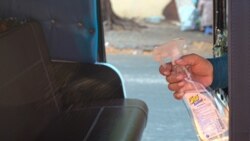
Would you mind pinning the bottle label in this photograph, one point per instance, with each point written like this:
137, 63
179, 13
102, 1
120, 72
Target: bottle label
207, 120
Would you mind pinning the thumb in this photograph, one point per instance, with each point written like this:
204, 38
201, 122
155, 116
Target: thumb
190, 60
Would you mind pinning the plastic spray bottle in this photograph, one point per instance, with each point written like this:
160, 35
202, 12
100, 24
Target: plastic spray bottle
209, 117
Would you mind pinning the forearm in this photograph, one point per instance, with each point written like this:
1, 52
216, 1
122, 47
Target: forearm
220, 72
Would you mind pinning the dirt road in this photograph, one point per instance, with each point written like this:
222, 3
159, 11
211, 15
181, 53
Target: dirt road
137, 41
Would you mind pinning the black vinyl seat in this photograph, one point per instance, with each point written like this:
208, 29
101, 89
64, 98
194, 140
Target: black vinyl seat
48, 100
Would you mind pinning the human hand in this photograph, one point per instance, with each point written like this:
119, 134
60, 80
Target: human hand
201, 71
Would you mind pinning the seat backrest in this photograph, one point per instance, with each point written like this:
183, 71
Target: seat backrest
27, 103
72, 28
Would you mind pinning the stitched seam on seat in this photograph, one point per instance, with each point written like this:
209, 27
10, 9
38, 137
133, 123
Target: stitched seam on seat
94, 123
141, 109
21, 73
44, 66
94, 107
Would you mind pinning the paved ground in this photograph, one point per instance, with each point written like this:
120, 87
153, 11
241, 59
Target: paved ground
130, 52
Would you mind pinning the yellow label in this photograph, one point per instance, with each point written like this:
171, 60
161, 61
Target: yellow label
194, 99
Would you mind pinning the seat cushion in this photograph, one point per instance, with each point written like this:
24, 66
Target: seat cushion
114, 120
27, 103
31, 103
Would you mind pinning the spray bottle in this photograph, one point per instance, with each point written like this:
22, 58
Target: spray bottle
209, 119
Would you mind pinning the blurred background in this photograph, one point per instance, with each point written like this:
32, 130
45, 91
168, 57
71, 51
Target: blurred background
132, 29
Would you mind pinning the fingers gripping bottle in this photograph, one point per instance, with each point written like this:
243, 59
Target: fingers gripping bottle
210, 122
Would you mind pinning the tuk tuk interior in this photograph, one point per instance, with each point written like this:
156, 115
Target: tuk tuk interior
55, 83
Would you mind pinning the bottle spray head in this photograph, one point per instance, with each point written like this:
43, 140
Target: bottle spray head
171, 50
